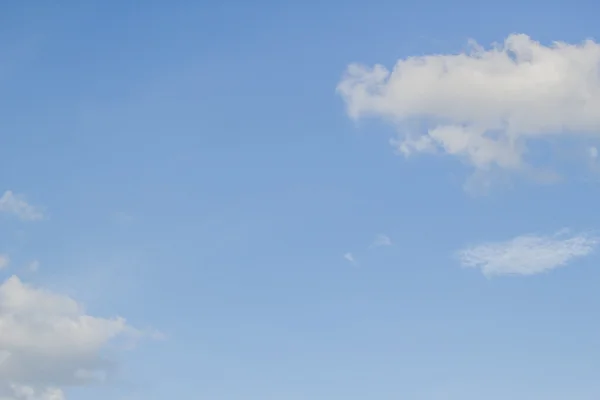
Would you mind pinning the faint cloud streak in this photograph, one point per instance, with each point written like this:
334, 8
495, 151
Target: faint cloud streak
16, 205
350, 258
4, 261
527, 254
381, 240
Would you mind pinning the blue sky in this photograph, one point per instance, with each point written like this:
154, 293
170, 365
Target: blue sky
274, 224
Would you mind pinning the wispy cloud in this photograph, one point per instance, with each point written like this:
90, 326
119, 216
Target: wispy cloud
350, 258
122, 218
33, 266
4, 261
528, 254
15, 204
381, 240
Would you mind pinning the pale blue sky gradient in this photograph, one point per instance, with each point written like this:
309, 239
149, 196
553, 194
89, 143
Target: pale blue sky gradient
200, 177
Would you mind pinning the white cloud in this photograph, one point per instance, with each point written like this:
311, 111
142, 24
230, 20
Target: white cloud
33, 266
381, 240
4, 261
527, 254
48, 342
15, 204
484, 106
21, 392
350, 258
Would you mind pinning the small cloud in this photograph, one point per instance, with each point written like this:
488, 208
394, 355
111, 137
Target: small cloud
86, 375
4, 261
122, 218
33, 266
592, 158
11, 203
350, 258
381, 240
528, 254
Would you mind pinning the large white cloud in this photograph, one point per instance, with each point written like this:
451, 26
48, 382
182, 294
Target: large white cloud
48, 342
527, 254
484, 106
